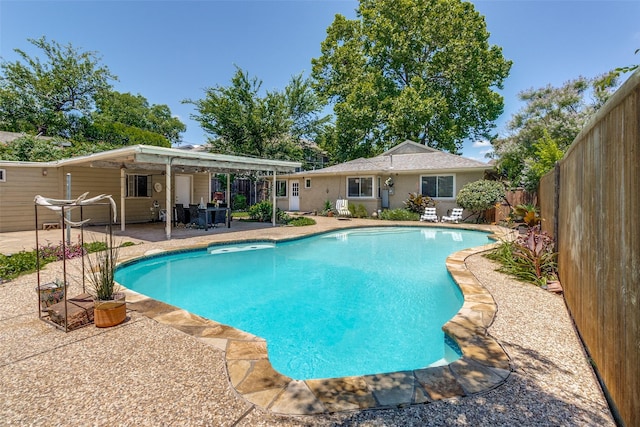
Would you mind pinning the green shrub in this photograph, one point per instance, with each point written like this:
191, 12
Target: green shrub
359, 211
529, 257
479, 196
302, 221
262, 211
399, 215
239, 202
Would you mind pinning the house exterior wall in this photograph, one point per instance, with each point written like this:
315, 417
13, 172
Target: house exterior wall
332, 188
17, 193
23, 183
201, 188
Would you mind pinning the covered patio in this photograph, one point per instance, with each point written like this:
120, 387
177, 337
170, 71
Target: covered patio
169, 161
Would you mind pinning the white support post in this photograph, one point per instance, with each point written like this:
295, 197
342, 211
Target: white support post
168, 200
273, 197
123, 194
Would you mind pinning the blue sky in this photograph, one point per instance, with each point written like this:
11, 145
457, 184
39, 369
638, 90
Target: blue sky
171, 50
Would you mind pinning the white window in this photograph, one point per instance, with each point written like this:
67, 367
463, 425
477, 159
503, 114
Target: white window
3, 175
138, 185
307, 183
438, 186
281, 188
361, 186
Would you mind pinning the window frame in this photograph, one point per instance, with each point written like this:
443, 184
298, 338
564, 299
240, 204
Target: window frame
284, 183
359, 195
437, 176
3, 175
149, 187
307, 183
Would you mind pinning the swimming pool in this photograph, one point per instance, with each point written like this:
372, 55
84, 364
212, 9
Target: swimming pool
353, 302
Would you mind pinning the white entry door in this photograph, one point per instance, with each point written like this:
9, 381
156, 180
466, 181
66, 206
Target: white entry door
183, 190
294, 196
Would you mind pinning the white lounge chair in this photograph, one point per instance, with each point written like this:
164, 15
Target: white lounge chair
429, 215
456, 216
342, 206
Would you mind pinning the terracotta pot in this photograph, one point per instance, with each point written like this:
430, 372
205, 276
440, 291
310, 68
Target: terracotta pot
110, 313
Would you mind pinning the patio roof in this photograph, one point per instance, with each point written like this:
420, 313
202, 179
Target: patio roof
148, 157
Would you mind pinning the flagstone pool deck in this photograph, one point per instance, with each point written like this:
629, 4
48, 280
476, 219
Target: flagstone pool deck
522, 361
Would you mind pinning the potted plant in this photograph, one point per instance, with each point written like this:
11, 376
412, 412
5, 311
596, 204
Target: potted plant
110, 307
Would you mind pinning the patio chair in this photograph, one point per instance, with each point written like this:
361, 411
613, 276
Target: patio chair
342, 206
194, 217
456, 216
429, 215
180, 217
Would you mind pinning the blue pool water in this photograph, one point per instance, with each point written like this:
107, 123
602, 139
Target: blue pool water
353, 302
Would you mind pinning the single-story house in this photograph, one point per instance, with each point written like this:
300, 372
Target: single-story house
382, 182
141, 179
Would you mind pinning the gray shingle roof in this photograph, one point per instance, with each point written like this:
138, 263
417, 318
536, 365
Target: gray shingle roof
422, 159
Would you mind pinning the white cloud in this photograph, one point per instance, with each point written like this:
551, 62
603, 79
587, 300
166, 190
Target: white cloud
479, 144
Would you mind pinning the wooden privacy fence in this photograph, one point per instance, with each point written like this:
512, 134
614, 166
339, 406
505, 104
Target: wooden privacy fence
591, 203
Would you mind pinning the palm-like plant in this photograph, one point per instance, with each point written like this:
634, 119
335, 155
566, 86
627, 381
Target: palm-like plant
102, 267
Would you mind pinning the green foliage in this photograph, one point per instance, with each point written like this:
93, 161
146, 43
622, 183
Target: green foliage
136, 112
358, 211
478, 196
43, 97
22, 262
240, 121
422, 70
302, 221
31, 149
399, 215
262, 211
101, 270
66, 93
239, 202
95, 246
546, 154
527, 213
610, 78
530, 257
120, 134
12, 266
544, 129
417, 203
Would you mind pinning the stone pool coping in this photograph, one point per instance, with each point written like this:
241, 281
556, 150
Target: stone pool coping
483, 366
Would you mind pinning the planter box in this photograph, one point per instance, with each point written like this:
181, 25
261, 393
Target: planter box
50, 294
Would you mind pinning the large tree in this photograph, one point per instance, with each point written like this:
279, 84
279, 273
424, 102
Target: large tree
43, 97
125, 119
545, 127
410, 69
243, 120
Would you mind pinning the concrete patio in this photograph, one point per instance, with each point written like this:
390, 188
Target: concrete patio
148, 372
